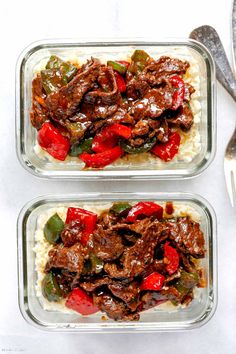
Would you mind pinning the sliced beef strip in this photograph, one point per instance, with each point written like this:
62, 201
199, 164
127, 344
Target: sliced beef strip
187, 236
104, 101
39, 113
107, 245
138, 227
95, 283
136, 230
109, 93
114, 308
160, 70
137, 87
146, 129
153, 103
96, 126
153, 298
154, 74
156, 266
70, 258
128, 293
72, 233
129, 236
160, 129
107, 82
107, 220
141, 128
98, 111
121, 116
139, 256
183, 118
65, 280
64, 103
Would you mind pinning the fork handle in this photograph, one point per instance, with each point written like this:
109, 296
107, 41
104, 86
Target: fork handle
233, 23
208, 36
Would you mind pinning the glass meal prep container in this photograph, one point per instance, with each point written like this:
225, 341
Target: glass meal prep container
35, 57
197, 313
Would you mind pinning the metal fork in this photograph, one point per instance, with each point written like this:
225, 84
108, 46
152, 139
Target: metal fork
210, 38
230, 152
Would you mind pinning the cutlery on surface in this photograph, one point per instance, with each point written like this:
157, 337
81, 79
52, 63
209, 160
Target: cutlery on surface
208, 36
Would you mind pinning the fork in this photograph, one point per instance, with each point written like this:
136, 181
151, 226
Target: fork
208, 36
230, 152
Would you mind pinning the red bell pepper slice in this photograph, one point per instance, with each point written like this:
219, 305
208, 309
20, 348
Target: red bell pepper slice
51, 140
86, 218
178, 96
107, 138
101, 159
144, 208
166, 151
120, 81
121, 130
171, 257
81, 302
154, 281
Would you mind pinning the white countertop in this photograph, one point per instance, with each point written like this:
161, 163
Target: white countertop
23, 22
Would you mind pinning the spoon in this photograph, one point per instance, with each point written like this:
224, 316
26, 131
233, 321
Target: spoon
208, 36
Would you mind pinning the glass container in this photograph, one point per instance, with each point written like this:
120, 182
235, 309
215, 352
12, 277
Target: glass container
199, 311
35, 57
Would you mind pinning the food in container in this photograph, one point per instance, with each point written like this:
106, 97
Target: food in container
104, 112
159, 124
121, 261
167, 283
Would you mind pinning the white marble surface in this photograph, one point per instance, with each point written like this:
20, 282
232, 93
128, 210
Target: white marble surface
23, 22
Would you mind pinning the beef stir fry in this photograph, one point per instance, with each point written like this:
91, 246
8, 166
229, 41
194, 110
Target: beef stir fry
99, 112
124, 261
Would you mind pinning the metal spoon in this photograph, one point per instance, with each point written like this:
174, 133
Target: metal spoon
208, 36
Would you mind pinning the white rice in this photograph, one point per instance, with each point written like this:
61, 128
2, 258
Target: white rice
42, 247
190, 145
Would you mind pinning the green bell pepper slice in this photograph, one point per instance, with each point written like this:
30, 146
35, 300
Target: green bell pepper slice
185, 283
120, 68
188, 280
139, 60
77, 148
51, 80
57, 74
119, 207
53, 228
50, 288
67, 70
